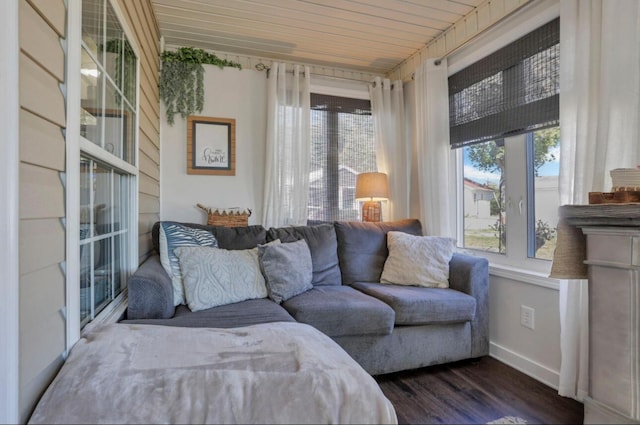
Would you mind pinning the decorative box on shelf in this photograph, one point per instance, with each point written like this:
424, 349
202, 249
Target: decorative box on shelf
616, 197
625, 188
227, 217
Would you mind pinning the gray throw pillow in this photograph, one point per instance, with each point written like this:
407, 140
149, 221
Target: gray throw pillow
323, 246
287, 269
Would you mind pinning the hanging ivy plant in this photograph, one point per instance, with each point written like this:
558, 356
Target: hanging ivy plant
181, 79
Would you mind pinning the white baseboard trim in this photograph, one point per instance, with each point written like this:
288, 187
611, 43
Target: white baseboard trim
525, 365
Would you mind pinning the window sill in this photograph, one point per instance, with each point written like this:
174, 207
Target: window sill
111, 313
524, 276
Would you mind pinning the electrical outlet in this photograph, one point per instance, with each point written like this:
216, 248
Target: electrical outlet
527, 317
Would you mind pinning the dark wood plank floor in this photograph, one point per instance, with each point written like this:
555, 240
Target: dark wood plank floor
475, 392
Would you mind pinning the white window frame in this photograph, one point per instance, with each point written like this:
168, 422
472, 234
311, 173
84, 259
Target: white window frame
77, 146
9, 214
516, 260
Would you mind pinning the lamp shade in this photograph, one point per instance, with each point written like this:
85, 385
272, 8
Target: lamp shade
372, 186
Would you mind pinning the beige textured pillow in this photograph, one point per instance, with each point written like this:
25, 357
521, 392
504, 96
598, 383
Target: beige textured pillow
417, 260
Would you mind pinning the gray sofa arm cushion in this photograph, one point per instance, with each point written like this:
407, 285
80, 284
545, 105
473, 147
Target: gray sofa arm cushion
471, 275
150, 292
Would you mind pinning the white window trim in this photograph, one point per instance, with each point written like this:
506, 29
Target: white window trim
9, 214
72, 269
339, 87
524, 276
76, 145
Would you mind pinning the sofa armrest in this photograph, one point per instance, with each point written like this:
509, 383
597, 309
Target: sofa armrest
150, 292
471, 275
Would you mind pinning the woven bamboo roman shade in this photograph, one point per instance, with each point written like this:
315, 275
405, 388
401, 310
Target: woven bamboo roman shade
514, 90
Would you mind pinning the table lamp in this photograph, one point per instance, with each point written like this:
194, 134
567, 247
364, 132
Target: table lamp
372, 188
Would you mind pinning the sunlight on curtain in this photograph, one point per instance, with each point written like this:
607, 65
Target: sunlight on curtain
599, 129
431, 134
286, 187
392, 149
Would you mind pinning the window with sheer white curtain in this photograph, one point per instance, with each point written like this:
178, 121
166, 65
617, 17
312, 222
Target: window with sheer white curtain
342, 146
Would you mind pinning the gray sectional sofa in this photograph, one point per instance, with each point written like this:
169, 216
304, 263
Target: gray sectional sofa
385, 328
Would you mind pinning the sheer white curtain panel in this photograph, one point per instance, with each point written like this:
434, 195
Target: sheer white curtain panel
286, 190
599, 130
392, 147
431, 135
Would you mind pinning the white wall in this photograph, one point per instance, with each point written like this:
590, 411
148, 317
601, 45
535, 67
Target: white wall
229, 93
535, 352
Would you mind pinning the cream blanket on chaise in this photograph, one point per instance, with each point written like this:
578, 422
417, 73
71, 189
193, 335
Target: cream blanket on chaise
268, 373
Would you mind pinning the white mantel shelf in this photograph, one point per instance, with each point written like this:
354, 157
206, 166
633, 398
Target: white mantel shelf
625, 215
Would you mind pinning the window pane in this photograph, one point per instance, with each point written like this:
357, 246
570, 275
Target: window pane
342, 147
113, 47
103, 276
91, 101
102, 199
87, 217
92, 26
128, 134
119, 201
129, 72
546, 157
85, 281
112, 121
484, 189
119, 259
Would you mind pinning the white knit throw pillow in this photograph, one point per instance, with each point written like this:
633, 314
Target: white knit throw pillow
418, 260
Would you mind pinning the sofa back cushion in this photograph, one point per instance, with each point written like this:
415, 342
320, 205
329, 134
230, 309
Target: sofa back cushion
323, 246
231, 238
362, 247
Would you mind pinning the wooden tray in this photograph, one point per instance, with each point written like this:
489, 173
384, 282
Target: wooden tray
618, 197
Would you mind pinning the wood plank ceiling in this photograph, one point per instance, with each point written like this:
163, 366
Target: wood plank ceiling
363, 35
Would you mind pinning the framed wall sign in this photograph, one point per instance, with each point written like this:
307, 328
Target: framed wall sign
211, 146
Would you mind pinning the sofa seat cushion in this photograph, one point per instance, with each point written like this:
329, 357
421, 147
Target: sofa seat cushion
422, 306
341, 311
244, 313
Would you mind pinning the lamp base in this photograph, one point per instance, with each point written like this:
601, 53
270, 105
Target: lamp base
371, 211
